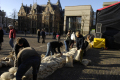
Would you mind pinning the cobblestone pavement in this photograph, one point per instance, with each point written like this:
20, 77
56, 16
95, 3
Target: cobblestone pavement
105, 64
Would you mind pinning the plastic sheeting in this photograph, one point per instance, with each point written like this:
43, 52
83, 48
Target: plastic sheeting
110, 18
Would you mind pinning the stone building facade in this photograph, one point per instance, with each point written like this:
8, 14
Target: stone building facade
48, 17
108, 3
78, 18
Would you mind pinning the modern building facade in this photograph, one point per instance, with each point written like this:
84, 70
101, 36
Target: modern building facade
49, 17
108, 3
78, 18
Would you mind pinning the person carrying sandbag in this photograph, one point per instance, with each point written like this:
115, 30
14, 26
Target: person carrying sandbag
27, 58
80, 44
51, 46
20, 43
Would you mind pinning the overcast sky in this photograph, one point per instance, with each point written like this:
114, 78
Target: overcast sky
9, 5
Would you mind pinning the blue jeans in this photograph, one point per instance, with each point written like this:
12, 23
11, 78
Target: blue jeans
49, 48
33, 62
11, 42
38, 38
66, 45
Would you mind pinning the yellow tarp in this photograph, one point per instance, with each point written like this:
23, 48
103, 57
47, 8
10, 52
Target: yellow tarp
99, 43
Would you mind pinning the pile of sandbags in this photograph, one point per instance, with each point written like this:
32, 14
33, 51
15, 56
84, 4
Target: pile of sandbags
7, 61
47, 67
9, 75
50, 64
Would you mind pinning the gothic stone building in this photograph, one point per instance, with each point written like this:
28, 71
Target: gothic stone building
49, 17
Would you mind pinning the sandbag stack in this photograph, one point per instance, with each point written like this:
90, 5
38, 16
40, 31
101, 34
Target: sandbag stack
7, 61
47, 67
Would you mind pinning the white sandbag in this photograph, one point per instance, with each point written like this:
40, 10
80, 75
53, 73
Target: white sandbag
13, 70
73, 49
15, 74
48, 69
69, 61
77, 55
4, 63
27, 78
7, 76
42, 68
54, 67
73, 36
10, 63
51, 63
5, 59
48, 58
85, 62
57, 55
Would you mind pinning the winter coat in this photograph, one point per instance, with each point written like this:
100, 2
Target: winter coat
1, 36
80, 42
26, 53
43, 34
12, 33
38, 33
17, 47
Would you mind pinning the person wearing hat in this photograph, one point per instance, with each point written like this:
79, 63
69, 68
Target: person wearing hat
1, 36
12, 35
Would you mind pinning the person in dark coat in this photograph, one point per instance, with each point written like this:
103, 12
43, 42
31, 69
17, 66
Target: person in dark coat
51, 46
38, 34
80, 44
20, 42
1, 37
26, 59
54, 35
43, 36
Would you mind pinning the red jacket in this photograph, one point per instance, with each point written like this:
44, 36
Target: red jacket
12, 33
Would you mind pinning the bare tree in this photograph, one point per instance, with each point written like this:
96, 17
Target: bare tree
14, 16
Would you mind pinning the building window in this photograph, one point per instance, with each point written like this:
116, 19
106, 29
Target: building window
48, 9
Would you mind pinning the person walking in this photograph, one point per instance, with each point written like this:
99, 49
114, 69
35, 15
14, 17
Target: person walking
1, 36
51, 46
43, 36
38, 34
12, 35
26, 59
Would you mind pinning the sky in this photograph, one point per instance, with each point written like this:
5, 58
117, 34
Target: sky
9, 5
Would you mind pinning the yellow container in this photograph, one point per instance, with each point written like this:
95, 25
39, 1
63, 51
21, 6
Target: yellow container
99, 43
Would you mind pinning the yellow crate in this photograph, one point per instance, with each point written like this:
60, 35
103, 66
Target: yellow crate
99, 43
